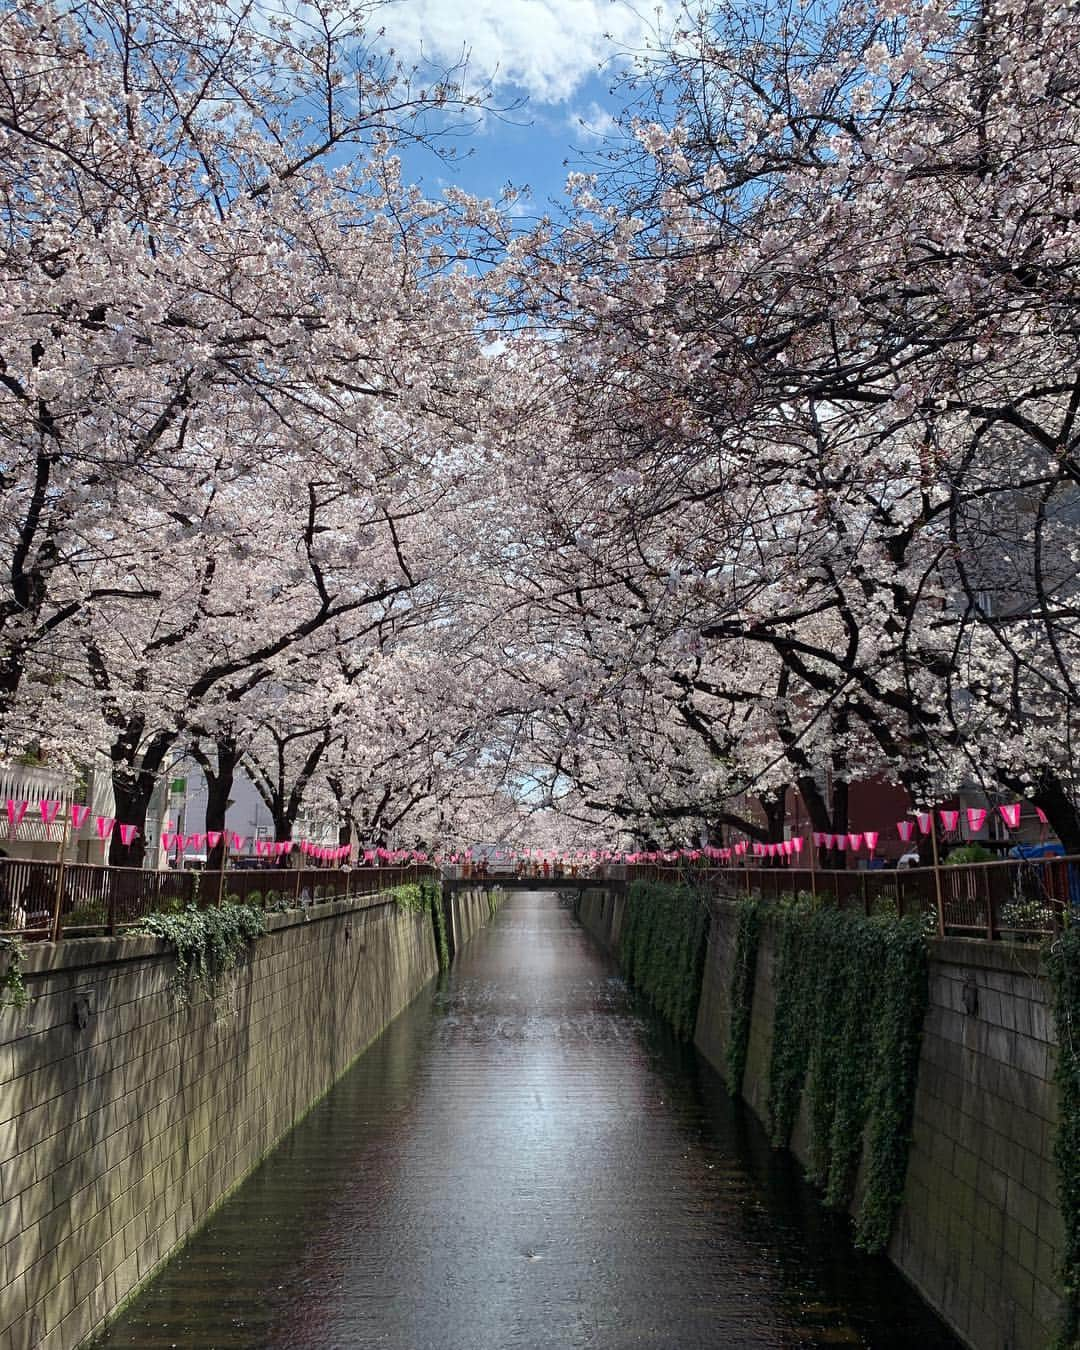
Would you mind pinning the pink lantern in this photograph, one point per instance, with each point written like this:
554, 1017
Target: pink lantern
854, 842
905, 829
950, 821
1011, 815
128, 833
104, 826
976, 818
797, 843
1042, 816
871, 837
925, 821
49, 811
79, 815
15, 813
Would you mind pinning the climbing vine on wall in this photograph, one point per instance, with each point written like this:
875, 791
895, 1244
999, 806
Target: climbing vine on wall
12, 989
425, 897
663, 948
207, 943
432, 892
850, 1001
1063, 967
744, 969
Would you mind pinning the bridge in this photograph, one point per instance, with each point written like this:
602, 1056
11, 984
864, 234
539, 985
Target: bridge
561, 881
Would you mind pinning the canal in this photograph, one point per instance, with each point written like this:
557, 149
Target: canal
526, 1159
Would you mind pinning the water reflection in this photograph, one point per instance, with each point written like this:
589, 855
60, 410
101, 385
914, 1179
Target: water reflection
526, 1159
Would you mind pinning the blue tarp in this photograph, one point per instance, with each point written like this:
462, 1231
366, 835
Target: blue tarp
1036, 851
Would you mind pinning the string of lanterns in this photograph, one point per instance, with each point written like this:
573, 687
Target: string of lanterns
851, 841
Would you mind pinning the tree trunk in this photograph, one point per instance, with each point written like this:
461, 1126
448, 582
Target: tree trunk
774, 804
133, 779
219, 785
132, 803
1060, 809
838, 857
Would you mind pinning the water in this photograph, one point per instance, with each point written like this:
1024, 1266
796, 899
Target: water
525, 1159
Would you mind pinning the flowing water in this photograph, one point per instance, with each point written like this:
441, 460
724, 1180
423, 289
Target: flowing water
526, 1159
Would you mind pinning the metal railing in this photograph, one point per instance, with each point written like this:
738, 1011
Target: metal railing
1016, 898
41, 900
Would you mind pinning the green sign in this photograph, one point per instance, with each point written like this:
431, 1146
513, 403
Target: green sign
178, 786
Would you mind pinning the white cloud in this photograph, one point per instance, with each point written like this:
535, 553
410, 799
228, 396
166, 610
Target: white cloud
593, 125
544, 48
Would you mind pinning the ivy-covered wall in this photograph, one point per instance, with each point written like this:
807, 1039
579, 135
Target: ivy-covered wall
977, 1223
662, 948
977, 1227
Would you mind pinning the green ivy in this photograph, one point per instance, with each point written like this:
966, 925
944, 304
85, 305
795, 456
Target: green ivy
12, 989
662, 948
433, 894
747, 932
851, 995
409, 896
1063, 968
425, 897
207, 943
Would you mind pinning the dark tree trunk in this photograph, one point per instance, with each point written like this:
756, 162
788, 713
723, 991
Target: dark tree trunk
774, 804
134, 776
837, 857
219, 784
132, 803
1060, 808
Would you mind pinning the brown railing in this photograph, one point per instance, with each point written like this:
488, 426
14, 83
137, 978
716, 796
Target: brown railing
44, 900
1015, 898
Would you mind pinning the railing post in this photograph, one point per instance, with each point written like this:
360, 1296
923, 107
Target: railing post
110, 909
937, 876
58, 899
221, 874
989, 902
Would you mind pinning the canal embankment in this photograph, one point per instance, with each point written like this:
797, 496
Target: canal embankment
527, 1157
979, 1230
128, 1113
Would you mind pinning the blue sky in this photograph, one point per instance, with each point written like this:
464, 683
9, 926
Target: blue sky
558, 56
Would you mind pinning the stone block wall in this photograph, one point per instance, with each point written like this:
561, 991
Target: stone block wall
602, 913
120, 1135
980, 1233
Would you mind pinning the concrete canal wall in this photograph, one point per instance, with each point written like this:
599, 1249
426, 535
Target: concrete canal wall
980, 1232
125, 1119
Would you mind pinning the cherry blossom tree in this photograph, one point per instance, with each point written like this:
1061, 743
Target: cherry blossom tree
818, 341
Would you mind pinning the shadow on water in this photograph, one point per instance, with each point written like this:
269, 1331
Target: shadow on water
839, 1295
525, 1158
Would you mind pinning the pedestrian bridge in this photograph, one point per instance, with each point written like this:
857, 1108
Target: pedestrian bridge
561, 881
